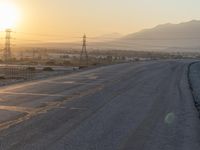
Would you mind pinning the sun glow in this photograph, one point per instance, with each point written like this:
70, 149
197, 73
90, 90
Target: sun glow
9, 15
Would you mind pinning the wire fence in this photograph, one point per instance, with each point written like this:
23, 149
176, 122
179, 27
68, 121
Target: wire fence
17, 72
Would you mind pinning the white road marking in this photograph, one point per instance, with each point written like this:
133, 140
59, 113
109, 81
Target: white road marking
32, 94
17, 109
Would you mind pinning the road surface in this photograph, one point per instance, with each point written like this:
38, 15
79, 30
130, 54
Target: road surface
142, 106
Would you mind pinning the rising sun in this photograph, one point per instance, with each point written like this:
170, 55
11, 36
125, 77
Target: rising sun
9, 15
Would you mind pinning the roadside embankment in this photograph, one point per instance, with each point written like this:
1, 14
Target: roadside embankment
194, 81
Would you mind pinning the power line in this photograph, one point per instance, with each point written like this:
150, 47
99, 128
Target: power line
44, 35
65, 36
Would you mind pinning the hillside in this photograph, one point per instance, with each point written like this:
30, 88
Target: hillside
167, 37
174, 37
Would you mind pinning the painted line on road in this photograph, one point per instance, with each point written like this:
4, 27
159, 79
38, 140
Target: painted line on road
74, 108
2, 100
33, 94
98, 82
66, 82
17, 109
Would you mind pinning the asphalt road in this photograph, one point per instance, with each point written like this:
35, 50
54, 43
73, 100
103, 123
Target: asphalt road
143, 106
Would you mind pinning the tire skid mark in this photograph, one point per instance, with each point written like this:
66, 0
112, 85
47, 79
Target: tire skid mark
49, 106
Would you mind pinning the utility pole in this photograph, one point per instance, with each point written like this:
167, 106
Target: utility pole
21, 55
7, 50
33, 54
84, 54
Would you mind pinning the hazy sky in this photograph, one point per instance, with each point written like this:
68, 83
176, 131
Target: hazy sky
99, 17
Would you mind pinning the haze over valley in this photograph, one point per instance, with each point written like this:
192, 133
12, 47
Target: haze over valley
182, 37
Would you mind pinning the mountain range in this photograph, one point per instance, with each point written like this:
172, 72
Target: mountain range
166, 37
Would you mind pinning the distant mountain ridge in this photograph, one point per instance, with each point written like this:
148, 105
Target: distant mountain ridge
166, 37
170, 31
171, 37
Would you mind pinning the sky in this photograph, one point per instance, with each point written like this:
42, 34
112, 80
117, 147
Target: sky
69, 19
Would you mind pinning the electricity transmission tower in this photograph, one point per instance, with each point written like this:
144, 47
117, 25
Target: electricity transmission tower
7, 49
84, 54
